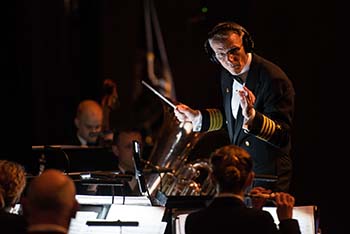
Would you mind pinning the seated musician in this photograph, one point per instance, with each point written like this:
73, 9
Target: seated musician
123, 150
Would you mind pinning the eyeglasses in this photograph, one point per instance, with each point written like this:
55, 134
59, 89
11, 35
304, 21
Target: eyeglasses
232, 51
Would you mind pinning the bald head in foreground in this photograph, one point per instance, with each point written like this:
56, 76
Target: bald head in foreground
50, 202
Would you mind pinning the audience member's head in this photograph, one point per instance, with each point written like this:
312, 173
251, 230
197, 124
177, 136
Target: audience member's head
89, 120
12, 183
50, 199
232, 169
123, 147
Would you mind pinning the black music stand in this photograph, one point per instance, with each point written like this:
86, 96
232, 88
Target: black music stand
179, 204
112, 223
103, 178
139, 171
70, 158
86, 165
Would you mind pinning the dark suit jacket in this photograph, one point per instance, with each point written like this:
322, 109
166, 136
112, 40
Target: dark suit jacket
269, 140
74, 140
230, 215
12, 223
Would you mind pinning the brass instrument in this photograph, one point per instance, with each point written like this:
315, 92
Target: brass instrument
171, 150
192, 179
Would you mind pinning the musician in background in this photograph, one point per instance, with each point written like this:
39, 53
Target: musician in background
232, 171
88, 121
89, 133
110, 104
122, 148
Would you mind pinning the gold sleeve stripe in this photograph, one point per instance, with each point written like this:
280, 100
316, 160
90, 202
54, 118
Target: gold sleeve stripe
268, 128
216, 119
272, 130
212, 119
262, 127
220, 121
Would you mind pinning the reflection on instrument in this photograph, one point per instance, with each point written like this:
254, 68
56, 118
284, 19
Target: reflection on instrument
207, 187
192, 179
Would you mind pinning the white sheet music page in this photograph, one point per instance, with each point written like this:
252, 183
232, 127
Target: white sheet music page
78, 224
148, 217
180, 223
129, 208
304, 215
100, 200
144, 229
149, 220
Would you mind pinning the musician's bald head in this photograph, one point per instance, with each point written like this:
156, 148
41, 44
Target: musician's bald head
89, 120
51, 199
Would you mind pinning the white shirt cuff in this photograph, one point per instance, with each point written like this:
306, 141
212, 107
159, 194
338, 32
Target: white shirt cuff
197, 123
247, 122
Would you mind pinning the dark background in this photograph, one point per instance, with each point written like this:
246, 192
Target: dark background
67, 48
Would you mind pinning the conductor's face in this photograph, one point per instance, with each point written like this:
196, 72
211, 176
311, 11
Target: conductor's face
230, 53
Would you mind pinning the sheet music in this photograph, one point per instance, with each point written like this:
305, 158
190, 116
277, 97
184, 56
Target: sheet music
180, 224
149, 218
140, 213
101, 200
144, 229
78, 224
304, 215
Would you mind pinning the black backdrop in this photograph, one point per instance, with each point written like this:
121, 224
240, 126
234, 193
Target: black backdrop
67, 50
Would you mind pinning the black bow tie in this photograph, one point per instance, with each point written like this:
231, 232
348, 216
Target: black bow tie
238, 78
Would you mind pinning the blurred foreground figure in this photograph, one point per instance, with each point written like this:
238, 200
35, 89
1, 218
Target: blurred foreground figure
12, 184
50, 203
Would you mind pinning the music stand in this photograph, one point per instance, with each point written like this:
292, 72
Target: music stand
86, 165
103, 178
139, 171
70, 158
176, 205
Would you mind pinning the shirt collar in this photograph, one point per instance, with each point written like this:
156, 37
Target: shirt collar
230, 195
82, 140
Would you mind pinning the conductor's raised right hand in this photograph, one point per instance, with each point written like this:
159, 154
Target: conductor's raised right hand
185, 114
